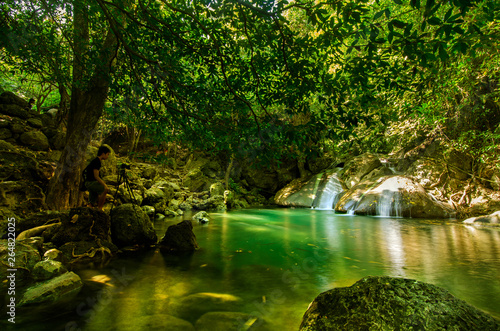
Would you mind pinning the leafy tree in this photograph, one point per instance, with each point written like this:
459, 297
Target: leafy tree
257, 79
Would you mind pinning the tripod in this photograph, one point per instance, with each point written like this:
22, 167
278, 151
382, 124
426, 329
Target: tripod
123, 178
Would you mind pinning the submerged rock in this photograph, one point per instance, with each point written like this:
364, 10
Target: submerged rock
155, 322
387, 303
65, 286
201, 217
229, 321
194, 306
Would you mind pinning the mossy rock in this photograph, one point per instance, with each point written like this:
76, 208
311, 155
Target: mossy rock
130, 225
388, 303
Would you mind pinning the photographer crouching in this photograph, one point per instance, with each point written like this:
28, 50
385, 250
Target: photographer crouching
95, 185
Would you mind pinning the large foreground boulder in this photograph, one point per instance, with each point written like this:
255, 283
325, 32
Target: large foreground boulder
130, 225
387, 303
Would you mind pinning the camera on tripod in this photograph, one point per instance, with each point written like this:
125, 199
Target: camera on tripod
124, 166
123, 178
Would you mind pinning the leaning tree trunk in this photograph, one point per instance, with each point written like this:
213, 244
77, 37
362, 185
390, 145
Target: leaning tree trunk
86, 108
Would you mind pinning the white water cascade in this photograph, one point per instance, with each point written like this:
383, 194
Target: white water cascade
390, 198
389, 204
329, 191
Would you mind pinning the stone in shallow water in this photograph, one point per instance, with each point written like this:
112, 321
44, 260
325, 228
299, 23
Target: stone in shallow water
62, 287
193, 306
387, 303
229, 321
48, 269
157, 322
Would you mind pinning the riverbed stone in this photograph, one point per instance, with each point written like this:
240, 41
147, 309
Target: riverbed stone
158, 322
388, 303
492, 219
47, 269
179, 238
153, 196
83, 224
229, 321
65, 286
214, 203
193, 306
201, 217
53, 254
130, 225
88, 252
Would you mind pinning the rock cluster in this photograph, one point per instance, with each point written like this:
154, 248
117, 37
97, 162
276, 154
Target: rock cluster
20, 125
371, 184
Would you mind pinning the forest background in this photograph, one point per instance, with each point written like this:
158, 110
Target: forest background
260, 80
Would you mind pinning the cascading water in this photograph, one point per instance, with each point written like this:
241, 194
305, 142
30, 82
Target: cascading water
328, 192
389, 204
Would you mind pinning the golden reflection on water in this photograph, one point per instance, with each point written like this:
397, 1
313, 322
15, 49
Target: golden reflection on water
277, 261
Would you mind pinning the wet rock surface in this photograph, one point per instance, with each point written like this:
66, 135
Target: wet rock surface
130, 225
179, 238
387, 303
65, 286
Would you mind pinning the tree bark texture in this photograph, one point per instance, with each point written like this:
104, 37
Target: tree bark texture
88, 96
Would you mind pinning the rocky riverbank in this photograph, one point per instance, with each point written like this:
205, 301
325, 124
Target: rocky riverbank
51, 244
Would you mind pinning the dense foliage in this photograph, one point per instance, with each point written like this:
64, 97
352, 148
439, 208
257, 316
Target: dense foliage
263, 79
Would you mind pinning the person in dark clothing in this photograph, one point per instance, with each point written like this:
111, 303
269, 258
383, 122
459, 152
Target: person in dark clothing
95, 185
30, 104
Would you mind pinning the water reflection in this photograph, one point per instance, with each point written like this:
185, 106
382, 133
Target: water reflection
277, 261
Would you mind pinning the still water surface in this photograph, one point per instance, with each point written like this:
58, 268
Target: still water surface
278, 260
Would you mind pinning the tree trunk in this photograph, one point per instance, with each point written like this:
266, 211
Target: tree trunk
228, 172
86, 107
63, 105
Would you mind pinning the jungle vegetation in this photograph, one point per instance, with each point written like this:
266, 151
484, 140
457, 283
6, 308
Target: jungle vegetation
259, 80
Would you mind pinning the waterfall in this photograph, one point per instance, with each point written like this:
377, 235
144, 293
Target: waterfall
307, 194
328, 192
389, 204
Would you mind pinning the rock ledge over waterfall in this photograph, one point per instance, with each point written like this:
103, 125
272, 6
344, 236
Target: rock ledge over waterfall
365, 186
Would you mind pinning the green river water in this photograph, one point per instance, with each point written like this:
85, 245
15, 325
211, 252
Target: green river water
274, 262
